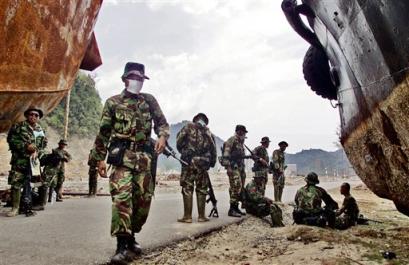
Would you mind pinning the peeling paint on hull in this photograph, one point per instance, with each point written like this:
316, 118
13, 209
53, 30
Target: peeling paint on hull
42, 45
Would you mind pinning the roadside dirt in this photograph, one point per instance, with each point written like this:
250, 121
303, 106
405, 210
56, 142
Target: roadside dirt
254, 242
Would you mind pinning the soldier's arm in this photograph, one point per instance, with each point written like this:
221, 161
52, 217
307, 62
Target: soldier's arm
68, 156
161, 126
16, 140
328, 200
227, 149
98, 153
275, 160
180, 139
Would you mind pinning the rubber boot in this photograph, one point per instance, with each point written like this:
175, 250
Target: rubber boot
50, 194
121, 256
43, 198
134, 249
276, 192
201, 208
187, 208
58, 190
232, 211
15, 200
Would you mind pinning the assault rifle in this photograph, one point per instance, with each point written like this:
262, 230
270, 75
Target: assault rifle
361, 220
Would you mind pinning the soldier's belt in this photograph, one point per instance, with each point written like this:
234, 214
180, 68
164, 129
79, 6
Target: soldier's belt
137, 146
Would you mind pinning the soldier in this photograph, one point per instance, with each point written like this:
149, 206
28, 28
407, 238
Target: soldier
27, 142
66, 157
125, 127
277, 169
233, 161
260, 167
197, 146
347, 216
308, 201
260, 206
93, 177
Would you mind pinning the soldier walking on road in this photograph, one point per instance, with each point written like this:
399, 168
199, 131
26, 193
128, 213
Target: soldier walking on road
60, 178
233, 160
260, 167
125, 127
27, 142
260, 206
92, 177
278, 167
197, 146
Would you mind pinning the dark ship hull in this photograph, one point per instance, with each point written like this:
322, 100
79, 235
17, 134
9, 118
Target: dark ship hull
365, 44
42, 45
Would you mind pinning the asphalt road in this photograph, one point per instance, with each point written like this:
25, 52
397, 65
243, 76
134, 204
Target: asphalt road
76, 231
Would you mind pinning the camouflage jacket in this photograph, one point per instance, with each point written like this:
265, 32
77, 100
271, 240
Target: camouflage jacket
19, 137
66, 157
309, 198
129, 117
234, 152
261, 152
194, 140
278, 161
254, 193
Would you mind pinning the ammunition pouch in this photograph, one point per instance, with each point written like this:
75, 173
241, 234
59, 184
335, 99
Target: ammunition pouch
116, 152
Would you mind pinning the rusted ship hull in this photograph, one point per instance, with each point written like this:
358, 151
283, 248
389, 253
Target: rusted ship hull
367, 45
42, 45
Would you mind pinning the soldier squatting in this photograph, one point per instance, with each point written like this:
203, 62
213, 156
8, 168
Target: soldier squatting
124, 141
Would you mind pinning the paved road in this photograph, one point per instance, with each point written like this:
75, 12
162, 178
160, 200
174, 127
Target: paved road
76, 231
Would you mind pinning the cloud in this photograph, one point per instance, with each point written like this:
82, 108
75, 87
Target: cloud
238, 61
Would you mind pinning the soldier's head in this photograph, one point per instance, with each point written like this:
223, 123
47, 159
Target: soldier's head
283, 145
133, 77
241, 132
62, 144
345, 188
265, 141
33, 115
201, 119
312, 178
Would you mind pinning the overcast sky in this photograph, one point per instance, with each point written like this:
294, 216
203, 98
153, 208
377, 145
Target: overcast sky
236, 60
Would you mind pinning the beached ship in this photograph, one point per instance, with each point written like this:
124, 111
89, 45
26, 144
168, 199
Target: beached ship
359, 57
42, 45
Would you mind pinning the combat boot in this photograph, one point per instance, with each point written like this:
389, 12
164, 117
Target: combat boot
232, 211
201, 207
187, 208
133, 247
121, 256
43, 198
15, 197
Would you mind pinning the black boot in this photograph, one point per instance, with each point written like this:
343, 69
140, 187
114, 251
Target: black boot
232, 211
133, 247
121, 256
42, 193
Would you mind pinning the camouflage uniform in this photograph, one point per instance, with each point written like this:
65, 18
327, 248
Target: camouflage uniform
92, 177
261, 206
234, 149
61, 170
128, 118
278, 174
308, 200
260, 169
19, 137
349, 211
197, 146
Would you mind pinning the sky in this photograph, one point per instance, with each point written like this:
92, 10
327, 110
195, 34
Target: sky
238, 61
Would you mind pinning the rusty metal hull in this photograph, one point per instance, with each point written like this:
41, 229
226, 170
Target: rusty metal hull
367, 43
42, 45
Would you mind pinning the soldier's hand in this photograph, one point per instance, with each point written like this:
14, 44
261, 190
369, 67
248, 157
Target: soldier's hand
160, 145
31, 148
102, 169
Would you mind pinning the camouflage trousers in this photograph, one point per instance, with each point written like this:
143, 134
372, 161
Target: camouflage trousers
344, 222
92, 180
50, 177
60, 177
191, 175
237, 179
131, 193
263, 174
263, 209
17, 179
278, 182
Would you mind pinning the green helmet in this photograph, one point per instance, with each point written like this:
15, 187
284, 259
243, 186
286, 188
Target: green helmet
312, 178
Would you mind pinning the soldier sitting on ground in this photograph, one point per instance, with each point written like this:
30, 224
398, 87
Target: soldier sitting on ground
308, 201
347, 216
260, 206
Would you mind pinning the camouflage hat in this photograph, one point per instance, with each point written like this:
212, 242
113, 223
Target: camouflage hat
283, 143
312, 178
265, 139
241, 128
201, 115
40, 112
62, 141
134, 68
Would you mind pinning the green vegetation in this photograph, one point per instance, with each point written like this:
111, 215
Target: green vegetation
85, 109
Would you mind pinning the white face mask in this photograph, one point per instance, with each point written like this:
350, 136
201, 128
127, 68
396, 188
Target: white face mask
201, 122
134, 86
